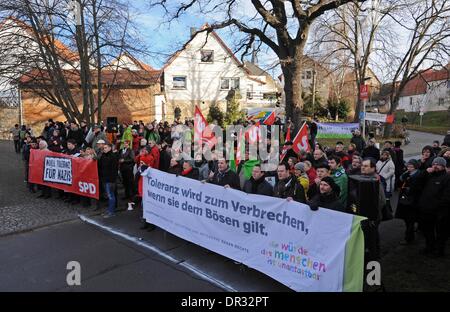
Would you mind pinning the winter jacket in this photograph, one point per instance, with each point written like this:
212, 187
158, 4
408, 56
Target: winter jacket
155, 154
435, 198
55, 144
175, 170
128, 159
340, 177
76, 135
203, 170
329, 200
304, 181
228, 177
371, 151
261, 187
290, 187
359, 142
74, 151
321, 161
386, 169
426, 164
99, 136
109, 165
312, 175
411, 188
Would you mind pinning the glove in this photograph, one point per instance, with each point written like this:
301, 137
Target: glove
314, 207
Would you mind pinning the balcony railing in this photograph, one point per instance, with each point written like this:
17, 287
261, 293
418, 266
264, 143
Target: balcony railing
258, 95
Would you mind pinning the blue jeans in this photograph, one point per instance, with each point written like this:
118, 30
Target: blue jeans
110, 193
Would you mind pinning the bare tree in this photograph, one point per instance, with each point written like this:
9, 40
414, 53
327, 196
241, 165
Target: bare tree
39, 40
281, 25
426, 24
349, 38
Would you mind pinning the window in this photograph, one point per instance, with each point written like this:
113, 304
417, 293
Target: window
229, 83
441, 102
411, 101
179, 82
307, 74
207, 56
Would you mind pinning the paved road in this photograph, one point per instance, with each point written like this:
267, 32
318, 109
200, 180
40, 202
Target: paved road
36, 261
419, 140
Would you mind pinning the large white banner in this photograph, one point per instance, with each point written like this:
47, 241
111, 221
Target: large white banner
303, 249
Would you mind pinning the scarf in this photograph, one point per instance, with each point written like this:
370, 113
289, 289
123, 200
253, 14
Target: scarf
186, 172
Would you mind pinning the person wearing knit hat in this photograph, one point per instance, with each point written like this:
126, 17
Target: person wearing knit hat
302, 177
439, 161
410, 191
433, 207
413, 162
328, 197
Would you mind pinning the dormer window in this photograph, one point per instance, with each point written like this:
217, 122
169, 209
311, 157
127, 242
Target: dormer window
207, 56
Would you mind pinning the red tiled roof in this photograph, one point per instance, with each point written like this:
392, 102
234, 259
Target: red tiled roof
38, 77
418, 85
62, 49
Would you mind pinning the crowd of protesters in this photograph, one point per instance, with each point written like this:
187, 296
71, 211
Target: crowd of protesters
319, 178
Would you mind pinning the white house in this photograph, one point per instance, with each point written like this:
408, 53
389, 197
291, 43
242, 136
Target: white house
204, 71
429, 91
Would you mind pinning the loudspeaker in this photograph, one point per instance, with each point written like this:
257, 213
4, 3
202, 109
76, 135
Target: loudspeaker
363, 197
111, 122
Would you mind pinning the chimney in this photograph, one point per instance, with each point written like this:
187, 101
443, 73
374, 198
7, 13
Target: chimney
193, 31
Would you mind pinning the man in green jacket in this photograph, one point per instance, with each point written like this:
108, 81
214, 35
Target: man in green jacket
340, 177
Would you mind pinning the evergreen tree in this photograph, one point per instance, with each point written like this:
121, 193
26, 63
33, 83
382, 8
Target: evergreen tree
233, 113
215, 115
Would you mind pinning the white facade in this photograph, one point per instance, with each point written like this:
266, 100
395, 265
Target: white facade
411, 103
190, 81
438, 94
437, 98
205, 71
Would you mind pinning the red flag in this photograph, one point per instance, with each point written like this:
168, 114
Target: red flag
202, 131
288, 135
390, 119
301, 142
270, 119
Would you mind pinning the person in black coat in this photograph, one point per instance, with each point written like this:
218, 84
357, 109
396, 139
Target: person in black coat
328, 197
358, 140
126, 163
319, 159
427, 158
174, 167
109, 165
434, 206
288, 185
72, 148
189, 171
371, 151
75, 133
164, 157
224, 176
257, 183
400, 162
410, 191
